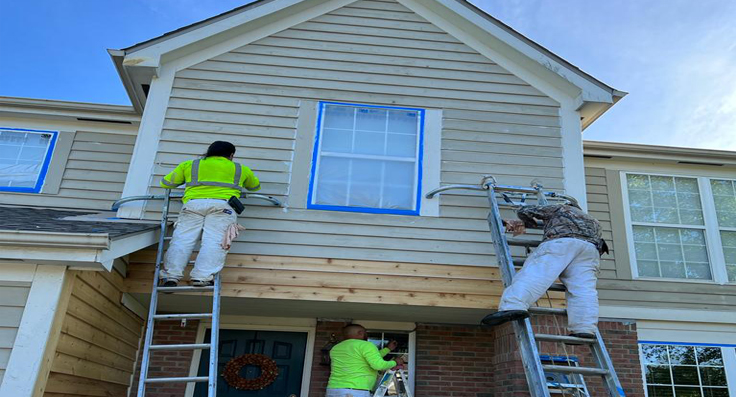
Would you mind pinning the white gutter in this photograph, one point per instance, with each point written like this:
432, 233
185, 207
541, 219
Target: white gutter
54, 239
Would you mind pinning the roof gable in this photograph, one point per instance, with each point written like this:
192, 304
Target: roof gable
139, 63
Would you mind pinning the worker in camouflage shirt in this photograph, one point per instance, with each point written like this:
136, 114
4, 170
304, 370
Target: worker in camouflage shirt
570, 250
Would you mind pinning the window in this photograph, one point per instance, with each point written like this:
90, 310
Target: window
381, 339
682, 227
724, 197
683, 370
24, 158
367, 159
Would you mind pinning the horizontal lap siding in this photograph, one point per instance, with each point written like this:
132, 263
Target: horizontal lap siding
12, 302
94, 175
99, 340
372, 53
598, 203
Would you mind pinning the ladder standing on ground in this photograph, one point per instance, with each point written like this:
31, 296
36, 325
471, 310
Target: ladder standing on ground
153, 315
527, 340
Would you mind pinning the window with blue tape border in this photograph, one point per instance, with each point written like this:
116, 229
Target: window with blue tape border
367, 158
25, 156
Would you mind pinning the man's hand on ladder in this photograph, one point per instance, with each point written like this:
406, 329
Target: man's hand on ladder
514, 226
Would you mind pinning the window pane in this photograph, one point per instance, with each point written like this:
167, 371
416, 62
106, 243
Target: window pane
671, 253
22, 156
709, 356
660, 391
687, 392
664, 199
728, 240
368, 158
724, 196
682, 355
715, 392
658, 374
685, 375
713, 376
654, 354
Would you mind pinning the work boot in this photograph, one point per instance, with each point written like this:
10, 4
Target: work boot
584, 335
168, 282
203, 283
504, 316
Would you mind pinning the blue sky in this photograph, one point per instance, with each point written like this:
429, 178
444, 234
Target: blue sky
676, 58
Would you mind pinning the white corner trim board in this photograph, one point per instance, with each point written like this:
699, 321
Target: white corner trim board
26, 363
146, 144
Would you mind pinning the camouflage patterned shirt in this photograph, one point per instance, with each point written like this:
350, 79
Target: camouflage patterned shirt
563, 221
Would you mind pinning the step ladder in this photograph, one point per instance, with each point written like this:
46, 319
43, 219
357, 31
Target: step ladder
391, 378
527, 340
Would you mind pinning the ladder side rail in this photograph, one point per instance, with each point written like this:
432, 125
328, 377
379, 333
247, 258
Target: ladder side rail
405, 383
154, 296
214, 338
522, 329
600, 355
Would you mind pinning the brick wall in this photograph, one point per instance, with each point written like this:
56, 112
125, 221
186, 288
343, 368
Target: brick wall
452, 361
168, 363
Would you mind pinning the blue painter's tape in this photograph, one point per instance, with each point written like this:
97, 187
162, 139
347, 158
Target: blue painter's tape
621, 392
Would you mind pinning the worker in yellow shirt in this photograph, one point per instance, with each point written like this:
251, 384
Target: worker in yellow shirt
355, 363
213, 182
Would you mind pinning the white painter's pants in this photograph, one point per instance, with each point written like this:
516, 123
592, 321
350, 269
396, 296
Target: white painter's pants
209, 218
347, 393
576, 263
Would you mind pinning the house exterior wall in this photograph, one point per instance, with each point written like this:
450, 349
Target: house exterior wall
13, 296
617, 286
89, 163
262, 97
99, 340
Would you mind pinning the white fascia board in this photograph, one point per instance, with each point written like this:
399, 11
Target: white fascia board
66, 109
91, 256
558, 74
54, 239
151, 56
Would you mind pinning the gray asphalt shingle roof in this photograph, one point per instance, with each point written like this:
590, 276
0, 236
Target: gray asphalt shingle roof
52, 220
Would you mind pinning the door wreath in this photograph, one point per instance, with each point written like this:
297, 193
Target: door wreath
269, 372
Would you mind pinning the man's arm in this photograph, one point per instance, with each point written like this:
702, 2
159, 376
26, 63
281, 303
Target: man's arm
529, 213
251, 182
374, 359
175, 178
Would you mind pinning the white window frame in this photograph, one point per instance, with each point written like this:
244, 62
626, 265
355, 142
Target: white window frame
412, 349
710, 227
729, 360
317, 154
44, 165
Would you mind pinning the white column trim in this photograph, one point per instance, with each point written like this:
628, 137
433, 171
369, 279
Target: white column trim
25, 375
572, 154
431, 161
143, 161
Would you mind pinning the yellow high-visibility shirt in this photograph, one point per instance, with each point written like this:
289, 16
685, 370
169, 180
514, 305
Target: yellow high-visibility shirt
355, 364
211, 178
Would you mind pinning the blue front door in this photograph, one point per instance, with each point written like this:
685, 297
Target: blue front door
287, 349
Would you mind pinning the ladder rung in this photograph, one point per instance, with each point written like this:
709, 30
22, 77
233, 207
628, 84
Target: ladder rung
190, 346
564, 339
179, 380
186, 288
547, 310
518, 262
168, 238
558, 287
182, 316
523, 243
575, 370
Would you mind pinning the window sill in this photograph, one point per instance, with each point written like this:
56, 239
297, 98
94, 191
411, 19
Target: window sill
683, 280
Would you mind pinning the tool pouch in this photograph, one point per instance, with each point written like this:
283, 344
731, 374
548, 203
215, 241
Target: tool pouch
236, 205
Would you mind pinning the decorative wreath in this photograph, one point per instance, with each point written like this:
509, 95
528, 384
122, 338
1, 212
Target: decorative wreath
269, 372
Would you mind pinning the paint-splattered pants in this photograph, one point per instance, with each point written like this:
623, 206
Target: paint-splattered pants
208, 218
347, 393
576, 263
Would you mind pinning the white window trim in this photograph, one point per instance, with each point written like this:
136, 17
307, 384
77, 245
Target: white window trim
711, 228
417, 160
729, 361
376, 326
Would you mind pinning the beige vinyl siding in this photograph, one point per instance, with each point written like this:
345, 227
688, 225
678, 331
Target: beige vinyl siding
616, 286
12, 302
371, 52
95, 169
99, 340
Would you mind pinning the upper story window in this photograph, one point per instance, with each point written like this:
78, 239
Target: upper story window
24, 158
674, 232
724, 196
367, 159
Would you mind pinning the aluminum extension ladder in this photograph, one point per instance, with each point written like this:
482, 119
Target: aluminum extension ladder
527, 340
214, 315
391, 377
